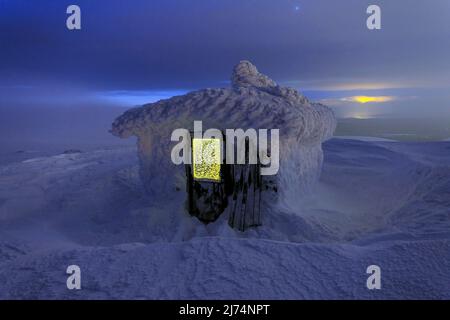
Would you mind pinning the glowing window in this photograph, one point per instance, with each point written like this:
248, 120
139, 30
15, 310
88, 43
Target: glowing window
206, 156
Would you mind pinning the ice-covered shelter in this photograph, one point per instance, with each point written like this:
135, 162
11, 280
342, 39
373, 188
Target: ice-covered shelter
253, 101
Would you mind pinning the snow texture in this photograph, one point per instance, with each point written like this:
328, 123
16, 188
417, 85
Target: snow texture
254, 101
383, 203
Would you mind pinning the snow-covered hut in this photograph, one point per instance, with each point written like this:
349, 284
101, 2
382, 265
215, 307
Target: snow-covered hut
253, 101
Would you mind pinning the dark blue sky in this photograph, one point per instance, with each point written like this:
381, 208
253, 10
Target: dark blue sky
129, 52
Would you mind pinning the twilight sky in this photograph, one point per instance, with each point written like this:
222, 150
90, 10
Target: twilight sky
131, 52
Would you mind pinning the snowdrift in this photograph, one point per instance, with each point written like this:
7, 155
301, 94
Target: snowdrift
383, 203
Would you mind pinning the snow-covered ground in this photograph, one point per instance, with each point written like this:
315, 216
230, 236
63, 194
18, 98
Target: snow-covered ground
364, 138
378, 202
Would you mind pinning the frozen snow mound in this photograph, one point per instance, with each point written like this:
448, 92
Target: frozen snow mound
253, 101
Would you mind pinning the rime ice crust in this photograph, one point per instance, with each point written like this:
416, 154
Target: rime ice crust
253, 101
245, 74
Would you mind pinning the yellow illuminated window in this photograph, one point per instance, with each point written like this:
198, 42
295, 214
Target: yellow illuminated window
206, 159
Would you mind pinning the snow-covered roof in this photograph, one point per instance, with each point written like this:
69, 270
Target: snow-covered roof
253, 101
